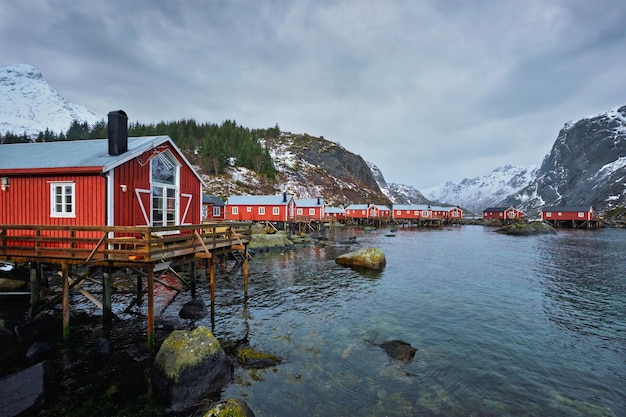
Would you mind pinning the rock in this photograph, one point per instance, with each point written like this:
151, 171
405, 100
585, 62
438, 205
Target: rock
39, 350
230, 408
398, 350
40, 328
273, 241
8, 349
194, 309
7, 284
249, 358
373, 258
24, 391
189, 366
526, 229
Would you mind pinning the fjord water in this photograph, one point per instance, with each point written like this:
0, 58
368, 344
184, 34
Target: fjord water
503, 325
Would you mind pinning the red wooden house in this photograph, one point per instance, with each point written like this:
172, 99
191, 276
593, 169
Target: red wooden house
503, 213
567, 213
334, 213
272, 208
138, 182
367, 211
410, 211
310, 209
213, 208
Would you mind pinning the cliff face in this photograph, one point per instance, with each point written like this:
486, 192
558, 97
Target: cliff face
586, 167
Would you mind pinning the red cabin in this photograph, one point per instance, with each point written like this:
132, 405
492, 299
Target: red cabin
503, 213
567, 213
213, 208
310, 209
138, 182
334, 213
367, 211
273, 208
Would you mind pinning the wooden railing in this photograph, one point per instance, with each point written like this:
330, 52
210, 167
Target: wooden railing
93, 244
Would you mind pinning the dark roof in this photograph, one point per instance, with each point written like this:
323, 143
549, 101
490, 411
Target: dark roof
212, 199
497, 208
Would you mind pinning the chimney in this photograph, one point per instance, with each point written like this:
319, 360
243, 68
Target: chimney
284, 196
118, 132
318, 201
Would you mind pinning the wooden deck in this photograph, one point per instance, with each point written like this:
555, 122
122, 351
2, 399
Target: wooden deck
150, 249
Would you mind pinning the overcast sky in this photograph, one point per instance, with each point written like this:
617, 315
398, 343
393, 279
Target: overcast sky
428, 90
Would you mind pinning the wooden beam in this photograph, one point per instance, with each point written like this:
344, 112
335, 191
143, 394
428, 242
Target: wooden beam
150, 309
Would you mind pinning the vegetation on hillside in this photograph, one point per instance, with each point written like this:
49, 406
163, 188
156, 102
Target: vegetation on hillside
216, 146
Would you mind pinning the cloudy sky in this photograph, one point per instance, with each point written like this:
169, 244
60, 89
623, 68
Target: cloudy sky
428, 90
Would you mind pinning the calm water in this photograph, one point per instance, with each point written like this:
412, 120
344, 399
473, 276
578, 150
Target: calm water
503, 326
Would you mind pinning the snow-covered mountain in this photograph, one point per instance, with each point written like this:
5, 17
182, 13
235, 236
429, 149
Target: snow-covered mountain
29, 105
478, 193
586, 167
397, 193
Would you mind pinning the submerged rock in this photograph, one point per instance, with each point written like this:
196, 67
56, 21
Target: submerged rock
194, 309
189, 366
373, 258
399, 350
256, 359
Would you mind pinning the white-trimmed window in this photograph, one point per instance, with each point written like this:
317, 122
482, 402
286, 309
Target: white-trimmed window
262, 211
581, 214
549, 214
299, 212
62, 199
275, 211
248, 209
311, 212
235, 210
216, 211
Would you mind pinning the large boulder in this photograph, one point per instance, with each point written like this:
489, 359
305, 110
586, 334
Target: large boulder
398, 350
274, 241
373, 258
527, 229
189, 366
194, 309
24, 391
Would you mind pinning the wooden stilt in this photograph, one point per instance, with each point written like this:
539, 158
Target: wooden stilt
34, 286
245, 270
212, 281
66, 302
150, 309
107, 311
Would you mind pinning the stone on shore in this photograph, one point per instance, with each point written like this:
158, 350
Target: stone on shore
373, 258
24, 391
273, 241
189, 366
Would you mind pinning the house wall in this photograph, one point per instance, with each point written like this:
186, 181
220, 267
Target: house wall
27, 200
566, 215
253, 215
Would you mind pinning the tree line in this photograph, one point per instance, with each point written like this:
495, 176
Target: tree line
217, 146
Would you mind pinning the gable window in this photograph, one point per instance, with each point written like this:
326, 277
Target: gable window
164, 171
62, 199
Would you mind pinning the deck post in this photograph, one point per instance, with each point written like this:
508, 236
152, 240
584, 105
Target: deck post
66, 302
107, 314
211, 261
192, 282
150, 307
34, 286
245, 269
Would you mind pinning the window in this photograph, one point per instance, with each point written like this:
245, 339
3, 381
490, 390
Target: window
581, 214
164, 170
425, 213
261, 210
248, 209
276, 211
311, 211
216, 211
235, 210
62, 199
299, 212
549, 214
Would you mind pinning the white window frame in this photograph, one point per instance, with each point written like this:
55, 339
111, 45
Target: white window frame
261, 211
235, 210
249, 209
581, 214
275, 211
311, 212
217, 212
299, 211
63, 213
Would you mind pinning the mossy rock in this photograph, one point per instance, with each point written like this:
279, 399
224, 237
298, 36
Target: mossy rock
526, 229
373, 258
230, 408
256, 359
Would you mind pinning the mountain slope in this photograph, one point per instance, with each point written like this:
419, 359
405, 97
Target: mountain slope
28, 104
397, 193
478, 193
586, 166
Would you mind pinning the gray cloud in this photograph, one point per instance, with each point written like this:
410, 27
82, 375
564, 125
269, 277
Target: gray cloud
429, 91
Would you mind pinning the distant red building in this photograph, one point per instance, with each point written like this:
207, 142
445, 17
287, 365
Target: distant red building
567, 213
272, 208
503, 213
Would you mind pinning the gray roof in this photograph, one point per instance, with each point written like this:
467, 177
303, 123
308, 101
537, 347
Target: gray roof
568, 209
75, 153
212, 199
309, 202
257, 200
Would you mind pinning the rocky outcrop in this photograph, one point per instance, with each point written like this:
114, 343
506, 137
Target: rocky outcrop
373, 258
526, 229
189, 366
267, 241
